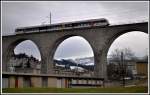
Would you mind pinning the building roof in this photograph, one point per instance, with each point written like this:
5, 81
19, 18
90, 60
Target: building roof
144, 62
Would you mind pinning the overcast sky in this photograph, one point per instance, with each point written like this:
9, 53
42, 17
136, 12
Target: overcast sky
20, 14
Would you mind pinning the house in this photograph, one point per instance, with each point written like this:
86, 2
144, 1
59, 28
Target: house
142, 69
115, 68
134, 68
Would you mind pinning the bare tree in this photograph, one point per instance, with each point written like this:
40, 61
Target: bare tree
119, 58
145, 58
128, 54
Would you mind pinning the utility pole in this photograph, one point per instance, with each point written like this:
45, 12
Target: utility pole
123, 69
50, 18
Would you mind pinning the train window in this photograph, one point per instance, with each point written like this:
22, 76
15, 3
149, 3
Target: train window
49, 27
43, 28
68, 25
103, 20
17, 30
28, 29
74, 25
98, 23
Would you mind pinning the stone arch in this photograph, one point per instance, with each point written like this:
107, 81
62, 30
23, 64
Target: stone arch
106, 47
113, 38
58, 41
101, 55
10, 49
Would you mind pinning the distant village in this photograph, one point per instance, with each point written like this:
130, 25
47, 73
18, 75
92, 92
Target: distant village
24, 64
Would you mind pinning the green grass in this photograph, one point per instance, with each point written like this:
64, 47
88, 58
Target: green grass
78, 90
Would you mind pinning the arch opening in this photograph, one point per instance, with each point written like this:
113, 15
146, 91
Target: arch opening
24, 57
125, 51
74, 55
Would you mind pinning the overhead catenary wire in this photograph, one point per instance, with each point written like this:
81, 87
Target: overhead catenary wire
107, 15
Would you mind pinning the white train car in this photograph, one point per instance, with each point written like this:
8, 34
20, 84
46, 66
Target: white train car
62, 26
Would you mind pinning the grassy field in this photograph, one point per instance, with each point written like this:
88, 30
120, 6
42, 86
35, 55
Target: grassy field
77, 90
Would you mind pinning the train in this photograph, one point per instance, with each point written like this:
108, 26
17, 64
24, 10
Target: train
63, 26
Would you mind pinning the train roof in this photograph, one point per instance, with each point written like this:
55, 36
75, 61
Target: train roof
73, 22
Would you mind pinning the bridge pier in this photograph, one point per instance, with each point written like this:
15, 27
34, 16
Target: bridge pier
47, 60
100, 68
4, 63
6, 55
47, 65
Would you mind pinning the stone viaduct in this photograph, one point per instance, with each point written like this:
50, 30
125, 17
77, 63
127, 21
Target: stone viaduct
100, 39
